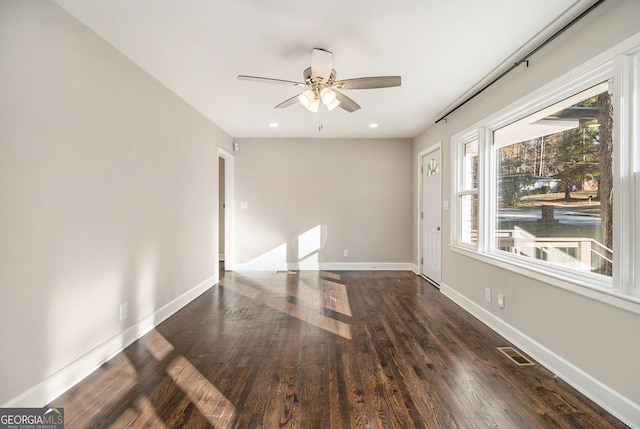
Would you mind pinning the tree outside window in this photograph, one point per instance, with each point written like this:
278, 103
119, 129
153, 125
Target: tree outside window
555, 185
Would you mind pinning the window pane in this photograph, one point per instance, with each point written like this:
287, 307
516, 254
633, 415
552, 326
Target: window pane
470, 168
469, 219
554, 184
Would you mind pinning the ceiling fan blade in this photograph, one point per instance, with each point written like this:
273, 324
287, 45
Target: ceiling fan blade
269, 80
346, 103
321, 64
369, 82
290, 102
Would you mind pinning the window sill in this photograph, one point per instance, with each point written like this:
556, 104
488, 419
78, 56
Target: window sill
597, 290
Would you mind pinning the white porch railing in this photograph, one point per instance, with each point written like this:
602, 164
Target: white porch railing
581, 253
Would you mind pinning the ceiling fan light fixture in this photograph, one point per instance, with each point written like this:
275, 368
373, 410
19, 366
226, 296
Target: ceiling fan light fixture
328, 96
313, 106
307, 98
333, 105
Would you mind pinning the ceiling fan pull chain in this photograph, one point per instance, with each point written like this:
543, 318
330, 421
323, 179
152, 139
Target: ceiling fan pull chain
321, 110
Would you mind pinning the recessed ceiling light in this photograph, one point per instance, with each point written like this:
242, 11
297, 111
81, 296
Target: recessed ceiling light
273, 125
373, 125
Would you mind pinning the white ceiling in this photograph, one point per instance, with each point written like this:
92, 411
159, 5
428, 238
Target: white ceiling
442, 49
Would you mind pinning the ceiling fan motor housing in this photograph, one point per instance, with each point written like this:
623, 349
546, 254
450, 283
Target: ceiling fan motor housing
318, 81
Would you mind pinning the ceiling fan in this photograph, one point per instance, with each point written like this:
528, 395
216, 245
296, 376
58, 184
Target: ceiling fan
321, 85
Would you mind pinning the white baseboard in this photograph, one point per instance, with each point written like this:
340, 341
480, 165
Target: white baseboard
317, 266
53, 386
612, 401
366, 266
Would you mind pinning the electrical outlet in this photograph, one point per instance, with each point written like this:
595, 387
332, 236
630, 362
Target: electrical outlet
501, 300
487, 294
124, 311
345, 253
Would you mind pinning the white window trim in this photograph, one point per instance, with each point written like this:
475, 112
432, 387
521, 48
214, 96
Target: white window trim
623, 63
458, 172
562, 92
627, 111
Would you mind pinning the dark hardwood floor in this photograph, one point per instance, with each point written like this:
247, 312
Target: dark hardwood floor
324, 350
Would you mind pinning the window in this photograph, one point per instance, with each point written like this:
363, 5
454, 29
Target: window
554, 184
550, 187
468, 192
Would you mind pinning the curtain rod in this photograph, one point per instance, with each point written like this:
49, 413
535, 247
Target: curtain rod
525, 59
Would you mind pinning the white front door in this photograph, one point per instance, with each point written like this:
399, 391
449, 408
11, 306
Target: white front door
431, 212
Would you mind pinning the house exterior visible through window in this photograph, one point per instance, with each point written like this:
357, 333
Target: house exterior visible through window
554, 184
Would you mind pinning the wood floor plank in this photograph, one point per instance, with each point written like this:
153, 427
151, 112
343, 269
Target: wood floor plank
324, 350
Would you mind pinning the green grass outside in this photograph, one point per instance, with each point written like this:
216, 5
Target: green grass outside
544, 229
579, 202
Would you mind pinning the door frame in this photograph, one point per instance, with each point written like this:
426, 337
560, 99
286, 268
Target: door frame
434, 147
229, 228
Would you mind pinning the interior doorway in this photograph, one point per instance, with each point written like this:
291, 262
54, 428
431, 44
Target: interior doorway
221, 212
225, 211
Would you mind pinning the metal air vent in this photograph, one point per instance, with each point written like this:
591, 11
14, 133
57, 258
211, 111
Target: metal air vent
515, 356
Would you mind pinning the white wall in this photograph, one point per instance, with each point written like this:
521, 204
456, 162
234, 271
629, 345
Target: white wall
347, 194
595, 343
108, 186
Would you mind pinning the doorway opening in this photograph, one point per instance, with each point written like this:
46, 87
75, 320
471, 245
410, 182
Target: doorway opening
225, 212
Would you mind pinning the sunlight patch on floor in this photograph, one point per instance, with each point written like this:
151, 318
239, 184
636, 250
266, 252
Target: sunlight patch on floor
321, 321
212, 404
144, 414
335, 297
157, 345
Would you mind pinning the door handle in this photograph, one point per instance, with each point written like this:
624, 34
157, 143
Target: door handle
438, 228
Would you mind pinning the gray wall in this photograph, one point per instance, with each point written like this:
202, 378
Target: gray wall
357, 193
108, 186
597, 338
